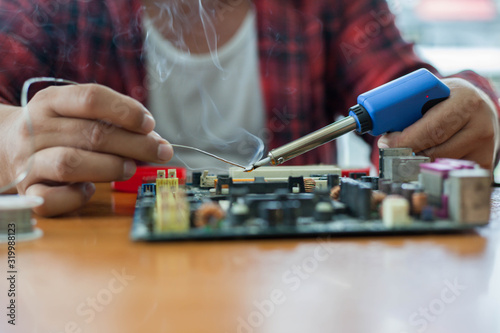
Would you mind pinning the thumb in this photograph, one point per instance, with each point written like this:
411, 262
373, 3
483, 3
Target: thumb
389, 140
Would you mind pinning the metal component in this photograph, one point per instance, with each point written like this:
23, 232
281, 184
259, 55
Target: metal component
403, 169
308, 142
384, 153
260, 163
210, 154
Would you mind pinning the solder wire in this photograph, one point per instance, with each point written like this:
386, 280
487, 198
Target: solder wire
209, 154
29, 125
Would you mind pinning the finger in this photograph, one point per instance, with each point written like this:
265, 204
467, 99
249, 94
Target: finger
60, 200
70, 165
437, 125
96, 136
460, 146
456, 147
92, 101
467, 145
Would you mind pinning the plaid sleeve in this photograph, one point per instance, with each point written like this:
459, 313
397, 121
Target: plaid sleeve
25, 47
482, 83
84, 41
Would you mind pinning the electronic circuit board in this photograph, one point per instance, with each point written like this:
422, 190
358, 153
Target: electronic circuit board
413, 196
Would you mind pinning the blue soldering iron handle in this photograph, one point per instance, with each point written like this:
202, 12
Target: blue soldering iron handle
400, 103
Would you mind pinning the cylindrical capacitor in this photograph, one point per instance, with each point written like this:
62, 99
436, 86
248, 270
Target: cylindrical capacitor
323, 211
272, 212
363, 199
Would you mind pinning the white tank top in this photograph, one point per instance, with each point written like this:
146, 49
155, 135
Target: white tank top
195, 103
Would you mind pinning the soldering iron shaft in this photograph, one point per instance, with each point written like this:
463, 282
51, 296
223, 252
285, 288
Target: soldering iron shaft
311, 141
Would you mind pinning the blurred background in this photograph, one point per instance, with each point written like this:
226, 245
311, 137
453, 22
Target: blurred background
452, 35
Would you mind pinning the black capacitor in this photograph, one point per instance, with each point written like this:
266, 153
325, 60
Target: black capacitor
291, 211
240, 215
346, 190
333, 180
272, 212
291, 207
363, 202
196, 176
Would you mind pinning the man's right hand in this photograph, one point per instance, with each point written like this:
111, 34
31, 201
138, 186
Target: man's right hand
83, 134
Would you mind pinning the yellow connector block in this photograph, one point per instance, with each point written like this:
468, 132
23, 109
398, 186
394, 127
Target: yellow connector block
172, 211
172, 180
171, 183
161, 180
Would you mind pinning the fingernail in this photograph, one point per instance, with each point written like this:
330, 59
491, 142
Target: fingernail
146, 110
165, 152
129, 168
148, 124
89, 189
156, 135
383, 143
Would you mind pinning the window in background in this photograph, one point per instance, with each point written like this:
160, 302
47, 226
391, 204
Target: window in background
454, 35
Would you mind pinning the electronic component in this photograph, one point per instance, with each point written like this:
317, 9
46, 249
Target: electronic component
433, 176
403, 169
287, 171
172, 211
395, 211
145, 174
307, 202
469, 195
418, 203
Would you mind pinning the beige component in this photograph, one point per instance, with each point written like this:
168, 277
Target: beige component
286, 171
207, 180
469, 196
395, 211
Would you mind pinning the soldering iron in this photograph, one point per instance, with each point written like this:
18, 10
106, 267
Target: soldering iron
389, 108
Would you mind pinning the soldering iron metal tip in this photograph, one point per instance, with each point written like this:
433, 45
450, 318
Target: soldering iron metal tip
257, 164
249, 168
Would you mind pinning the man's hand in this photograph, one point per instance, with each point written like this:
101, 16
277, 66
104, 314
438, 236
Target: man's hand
83, 134
465, 126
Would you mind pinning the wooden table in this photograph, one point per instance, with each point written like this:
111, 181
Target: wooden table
85, 275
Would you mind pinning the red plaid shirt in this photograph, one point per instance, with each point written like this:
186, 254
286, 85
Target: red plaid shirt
316, 57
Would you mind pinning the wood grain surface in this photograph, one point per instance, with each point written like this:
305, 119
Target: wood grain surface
85, 275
